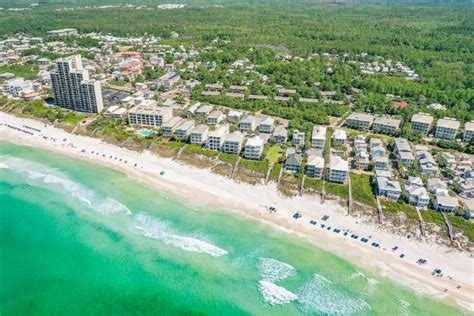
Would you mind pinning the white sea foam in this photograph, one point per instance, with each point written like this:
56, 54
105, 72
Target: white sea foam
274, 294
273, 270
371, 286
3, 166
320, 295
154, 228
354, 276
60, 181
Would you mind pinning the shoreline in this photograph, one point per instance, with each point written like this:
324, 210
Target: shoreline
202, 188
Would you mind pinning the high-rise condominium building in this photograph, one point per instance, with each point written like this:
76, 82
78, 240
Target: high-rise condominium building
72, 87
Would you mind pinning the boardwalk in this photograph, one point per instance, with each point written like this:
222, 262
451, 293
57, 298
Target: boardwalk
422, 222
234, 169
379, 210
269, 172
448, 224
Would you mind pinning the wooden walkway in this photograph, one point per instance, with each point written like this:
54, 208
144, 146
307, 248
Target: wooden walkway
269, 172
234, 169
449, 225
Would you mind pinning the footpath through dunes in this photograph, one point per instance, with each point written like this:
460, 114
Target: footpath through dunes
204, 189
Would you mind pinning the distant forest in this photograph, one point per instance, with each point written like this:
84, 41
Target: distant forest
435, 40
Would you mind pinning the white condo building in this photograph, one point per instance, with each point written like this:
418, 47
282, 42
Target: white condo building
72, 87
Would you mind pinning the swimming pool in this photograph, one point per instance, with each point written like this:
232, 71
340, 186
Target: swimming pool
144, 132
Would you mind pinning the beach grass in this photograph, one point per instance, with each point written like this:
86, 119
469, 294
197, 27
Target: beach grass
337, 189
395, 207
229, 158
465, 226
275, 171
52, 114
255, 165
362, 190
198, 150
311, 183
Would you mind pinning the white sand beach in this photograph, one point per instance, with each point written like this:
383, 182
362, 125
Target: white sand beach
207, 190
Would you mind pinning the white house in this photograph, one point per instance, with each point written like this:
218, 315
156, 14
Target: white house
318, 137
254, 148
338, 170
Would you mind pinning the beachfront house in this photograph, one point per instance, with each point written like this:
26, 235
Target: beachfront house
217, 137
148, 114
248, 123
298, 138
446, 204
314, 166
215, 118
280, 134
339, 137
318, 137
403, 150
293, 162
233, 143
469, 209
338, 169
447, 128
183, 131
168, 128
199, 134
417, 193
421, 122
388, 188
360, 121
254, 148
468, 132
385, 125
266, 125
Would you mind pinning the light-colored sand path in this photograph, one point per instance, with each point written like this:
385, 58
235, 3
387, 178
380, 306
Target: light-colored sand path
206, 190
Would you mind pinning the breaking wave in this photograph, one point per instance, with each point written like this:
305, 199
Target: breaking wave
60, 181
319, 295
154, 228
273, 270
274, 294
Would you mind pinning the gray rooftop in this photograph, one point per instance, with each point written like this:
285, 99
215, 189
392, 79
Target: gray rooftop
423, 118
448, 123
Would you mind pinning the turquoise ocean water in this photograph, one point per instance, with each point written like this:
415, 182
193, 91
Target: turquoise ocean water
78, 239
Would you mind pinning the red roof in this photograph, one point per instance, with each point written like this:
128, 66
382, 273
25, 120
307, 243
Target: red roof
399, 105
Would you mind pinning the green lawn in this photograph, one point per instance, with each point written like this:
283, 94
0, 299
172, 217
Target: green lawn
362, 190
26, 71
274, 153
